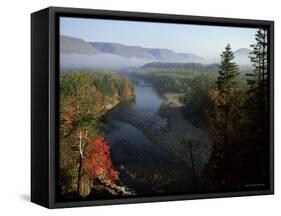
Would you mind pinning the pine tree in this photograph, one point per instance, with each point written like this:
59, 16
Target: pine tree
256, 112
258, 79
228, 71
222, 119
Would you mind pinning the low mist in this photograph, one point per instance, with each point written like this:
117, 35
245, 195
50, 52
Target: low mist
71, 60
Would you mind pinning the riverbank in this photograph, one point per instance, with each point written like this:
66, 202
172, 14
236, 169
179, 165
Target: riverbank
172, 131
152, 134
180, 136
111, 104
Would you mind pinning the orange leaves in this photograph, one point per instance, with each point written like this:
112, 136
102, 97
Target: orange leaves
218, 98
127, 90
98, 103
69, 116
97, 162
84, 98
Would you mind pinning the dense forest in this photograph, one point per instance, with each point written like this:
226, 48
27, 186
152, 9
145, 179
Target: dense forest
168, 81
85, 163
238, 121
217, 128
232, 104
193, 87
191, 67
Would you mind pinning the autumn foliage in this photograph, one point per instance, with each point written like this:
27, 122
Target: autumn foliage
85, 96
127, 90
97, 162
68, 117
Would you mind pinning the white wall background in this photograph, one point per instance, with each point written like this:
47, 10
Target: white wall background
15, 106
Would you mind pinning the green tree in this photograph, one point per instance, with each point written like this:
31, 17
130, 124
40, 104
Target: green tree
257, 113
196, 97
84, 98
201, 85
228, 71
224, 116
257, 80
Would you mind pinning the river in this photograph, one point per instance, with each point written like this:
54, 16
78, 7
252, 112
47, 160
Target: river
143, 165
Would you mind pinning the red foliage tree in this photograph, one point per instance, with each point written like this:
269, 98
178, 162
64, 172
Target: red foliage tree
97, 162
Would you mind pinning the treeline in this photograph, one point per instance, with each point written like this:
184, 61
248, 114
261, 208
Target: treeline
84, 155
238, 123
233, 106
196, 98
165, 81
186, 67
193, 86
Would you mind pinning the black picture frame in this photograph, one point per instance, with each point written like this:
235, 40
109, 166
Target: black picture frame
45, 105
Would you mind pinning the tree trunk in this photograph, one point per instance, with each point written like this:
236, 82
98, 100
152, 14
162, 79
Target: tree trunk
80, 161
81, 156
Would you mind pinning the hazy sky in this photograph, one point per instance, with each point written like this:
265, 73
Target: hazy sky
205, 41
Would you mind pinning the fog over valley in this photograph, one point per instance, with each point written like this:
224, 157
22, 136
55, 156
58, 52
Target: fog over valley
78, 53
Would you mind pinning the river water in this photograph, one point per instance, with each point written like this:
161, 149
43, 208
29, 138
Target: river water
144, 166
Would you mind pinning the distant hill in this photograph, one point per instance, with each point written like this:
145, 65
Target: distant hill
242, 56
165, 55
76, 45
192, 57
78, 53
194, 67
153, 54
122, 50
242, 51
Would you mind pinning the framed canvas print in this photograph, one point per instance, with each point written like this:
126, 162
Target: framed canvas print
138, 107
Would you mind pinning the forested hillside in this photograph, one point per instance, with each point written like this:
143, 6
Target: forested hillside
85, 163
191, 67
151, 121
239, 122
167, 81
231, 104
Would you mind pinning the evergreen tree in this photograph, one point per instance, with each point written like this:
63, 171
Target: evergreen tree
228, 70
258, 79
257, 113
223, 117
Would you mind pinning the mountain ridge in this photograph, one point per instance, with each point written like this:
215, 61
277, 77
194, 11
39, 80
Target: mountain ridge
76, 45
161, 54
78, 52
71, 44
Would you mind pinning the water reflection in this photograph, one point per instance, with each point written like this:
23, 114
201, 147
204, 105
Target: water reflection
143, 165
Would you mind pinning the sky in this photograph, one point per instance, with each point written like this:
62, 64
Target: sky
205, 41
